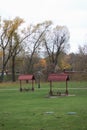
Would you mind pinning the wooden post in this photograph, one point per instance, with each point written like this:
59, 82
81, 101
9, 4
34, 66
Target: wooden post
51, 93
32, 85
20, 86
66, 88
39, 82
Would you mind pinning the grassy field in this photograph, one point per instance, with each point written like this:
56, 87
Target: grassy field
36, 111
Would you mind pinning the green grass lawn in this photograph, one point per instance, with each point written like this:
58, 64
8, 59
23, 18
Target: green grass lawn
35, 111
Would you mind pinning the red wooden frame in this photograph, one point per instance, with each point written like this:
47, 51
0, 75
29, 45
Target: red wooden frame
26, 78
56, 78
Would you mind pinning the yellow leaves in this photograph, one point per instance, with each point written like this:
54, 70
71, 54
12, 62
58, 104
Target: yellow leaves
64, 62
7, 24
18, 21
41, 64
65, 65
10, 26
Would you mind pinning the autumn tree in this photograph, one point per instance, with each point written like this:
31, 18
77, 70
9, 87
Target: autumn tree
17, 49
40, 65
8, 30
56, 41
34, 42
65, 62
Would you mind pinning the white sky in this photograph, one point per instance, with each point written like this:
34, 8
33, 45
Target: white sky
71, 13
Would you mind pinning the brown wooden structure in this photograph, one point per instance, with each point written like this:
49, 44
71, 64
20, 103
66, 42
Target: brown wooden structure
26, 78
58, 78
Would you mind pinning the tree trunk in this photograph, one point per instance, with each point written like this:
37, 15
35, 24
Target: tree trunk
13, 69
2, 76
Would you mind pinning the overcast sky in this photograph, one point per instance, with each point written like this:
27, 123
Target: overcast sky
71, 13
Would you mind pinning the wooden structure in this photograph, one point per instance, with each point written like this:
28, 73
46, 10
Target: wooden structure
26, 78
58, 78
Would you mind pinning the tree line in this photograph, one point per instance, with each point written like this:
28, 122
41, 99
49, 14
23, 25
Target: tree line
36, 48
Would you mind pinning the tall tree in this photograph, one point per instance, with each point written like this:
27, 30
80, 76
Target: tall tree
56, 41
16, 49
34, 42
7, 31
